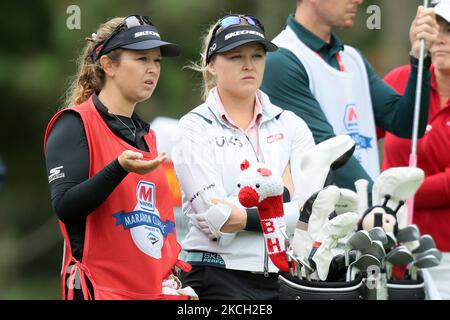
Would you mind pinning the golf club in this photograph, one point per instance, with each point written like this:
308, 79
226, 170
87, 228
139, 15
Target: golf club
358, 241
398, 256
361, 192
408, 233
424, 262
391, 241
415, 132
376, 249
433, 251
305, 263
425, 242
379, 234
361, 264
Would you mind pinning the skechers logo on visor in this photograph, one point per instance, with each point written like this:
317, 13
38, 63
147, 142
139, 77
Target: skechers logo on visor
146, 33
242, 32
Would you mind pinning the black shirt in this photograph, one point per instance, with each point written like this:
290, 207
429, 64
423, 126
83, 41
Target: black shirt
74, 195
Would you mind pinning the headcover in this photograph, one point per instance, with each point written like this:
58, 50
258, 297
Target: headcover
236, 36
143, 37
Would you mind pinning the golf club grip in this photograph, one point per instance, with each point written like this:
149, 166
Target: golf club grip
418, 95
361, 192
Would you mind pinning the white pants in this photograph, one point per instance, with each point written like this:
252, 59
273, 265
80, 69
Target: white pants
441, 276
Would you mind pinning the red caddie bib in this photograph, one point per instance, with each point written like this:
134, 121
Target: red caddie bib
130, 239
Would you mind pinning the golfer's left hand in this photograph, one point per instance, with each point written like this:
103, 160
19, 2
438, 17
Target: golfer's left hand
237, 220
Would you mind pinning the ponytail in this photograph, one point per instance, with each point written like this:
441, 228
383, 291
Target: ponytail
90, 77
201, 66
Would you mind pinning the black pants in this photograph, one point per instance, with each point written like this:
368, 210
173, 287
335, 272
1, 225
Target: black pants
225, 284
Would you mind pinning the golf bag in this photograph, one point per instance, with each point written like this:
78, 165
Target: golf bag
293, 288
406, 289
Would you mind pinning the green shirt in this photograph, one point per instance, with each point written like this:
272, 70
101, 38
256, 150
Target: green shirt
287, 84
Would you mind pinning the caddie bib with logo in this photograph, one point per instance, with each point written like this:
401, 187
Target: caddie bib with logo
130, 242
344, 96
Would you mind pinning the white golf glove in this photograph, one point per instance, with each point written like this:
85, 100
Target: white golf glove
212, 220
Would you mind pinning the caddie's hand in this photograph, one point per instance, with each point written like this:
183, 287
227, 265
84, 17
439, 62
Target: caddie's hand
237, 220
132, 161
424, 27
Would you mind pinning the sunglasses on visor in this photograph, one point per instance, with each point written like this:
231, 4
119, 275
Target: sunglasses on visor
229, 21
234, 20
127, 23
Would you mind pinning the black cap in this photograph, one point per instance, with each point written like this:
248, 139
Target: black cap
236, 36
142, 37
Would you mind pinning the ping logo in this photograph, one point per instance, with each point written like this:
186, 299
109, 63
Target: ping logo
146, 196
56, 173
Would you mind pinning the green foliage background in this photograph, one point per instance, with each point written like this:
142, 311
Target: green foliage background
37, 60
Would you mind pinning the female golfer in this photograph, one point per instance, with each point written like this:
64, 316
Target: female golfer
237, 122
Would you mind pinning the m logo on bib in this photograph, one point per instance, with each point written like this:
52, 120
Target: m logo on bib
147, 229
352, 128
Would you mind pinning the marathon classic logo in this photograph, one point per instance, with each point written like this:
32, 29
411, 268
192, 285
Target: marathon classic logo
146, 33
238, 33
144, 222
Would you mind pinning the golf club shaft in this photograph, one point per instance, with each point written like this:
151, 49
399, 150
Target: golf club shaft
415, 133
361, 192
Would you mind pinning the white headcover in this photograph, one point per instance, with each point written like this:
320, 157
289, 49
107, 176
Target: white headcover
400, 183
348, 201
329, 235
315, 165
269, 182
323, 205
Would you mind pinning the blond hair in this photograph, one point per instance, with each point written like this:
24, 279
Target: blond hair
201, 66
209, 81
90, 77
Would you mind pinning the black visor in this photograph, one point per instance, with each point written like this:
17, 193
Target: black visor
236, 36
142, 37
